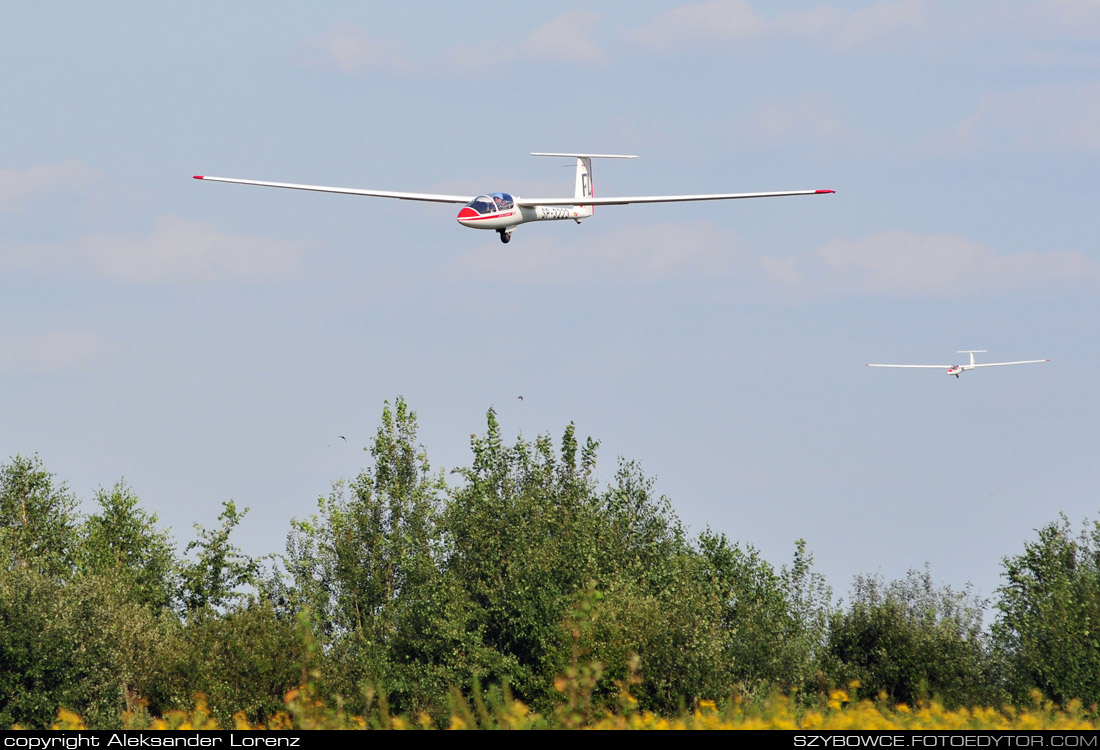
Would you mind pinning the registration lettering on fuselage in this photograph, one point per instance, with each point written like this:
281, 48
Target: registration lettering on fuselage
553, 212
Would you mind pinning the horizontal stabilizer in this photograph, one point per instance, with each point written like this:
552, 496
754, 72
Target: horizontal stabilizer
589, 156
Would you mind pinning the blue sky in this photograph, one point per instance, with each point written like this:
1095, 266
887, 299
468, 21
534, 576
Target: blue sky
210, 342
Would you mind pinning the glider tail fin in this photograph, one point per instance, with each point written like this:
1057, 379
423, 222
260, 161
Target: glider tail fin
971, 352
583, 187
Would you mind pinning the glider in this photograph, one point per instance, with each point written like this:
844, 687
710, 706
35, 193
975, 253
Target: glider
956, 369
503, 212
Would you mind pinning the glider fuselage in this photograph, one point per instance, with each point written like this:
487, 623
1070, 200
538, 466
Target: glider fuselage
498, 211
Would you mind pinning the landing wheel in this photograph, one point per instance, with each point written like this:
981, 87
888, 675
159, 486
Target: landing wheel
505, 236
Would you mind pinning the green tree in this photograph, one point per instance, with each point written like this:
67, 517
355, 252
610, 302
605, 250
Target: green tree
365, 569
911, 639
38, 519
82, 645
520, 542
245, 659
213, 580
772, 623
1049, 624
122, 540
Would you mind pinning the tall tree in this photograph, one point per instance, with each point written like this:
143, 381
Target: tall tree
38, 519
771, 621
214, 579
520, 542
122, 540
911, 639
1049, 624
81, 644
364, 565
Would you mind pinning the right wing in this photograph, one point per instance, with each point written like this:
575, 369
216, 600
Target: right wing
927, 367
999, 364
433, 197
593, 201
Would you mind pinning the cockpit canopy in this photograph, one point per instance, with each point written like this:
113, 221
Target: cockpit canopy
491, 204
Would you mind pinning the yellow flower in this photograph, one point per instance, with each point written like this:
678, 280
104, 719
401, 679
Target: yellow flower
66, 719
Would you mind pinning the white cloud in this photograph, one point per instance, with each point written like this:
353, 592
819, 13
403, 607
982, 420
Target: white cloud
350, 49
566, 39
879, 23
901, 263
888, 263
736, 20
716, 20
1075, 17
803, 119
1061, 116
18, 188
50, 352
628, 254
177, 250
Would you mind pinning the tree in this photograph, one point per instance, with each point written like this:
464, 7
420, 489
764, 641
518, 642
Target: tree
912, 640
212, 581
365, 569
1049, 624
38, 520
122, 541
81, 645
771, 622
520, 541
245, 659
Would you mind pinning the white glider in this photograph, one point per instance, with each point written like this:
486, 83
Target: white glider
956, 369
503, 212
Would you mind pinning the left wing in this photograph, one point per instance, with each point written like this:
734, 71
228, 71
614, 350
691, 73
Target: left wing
923, 367
433, 197
998, 364
592, 201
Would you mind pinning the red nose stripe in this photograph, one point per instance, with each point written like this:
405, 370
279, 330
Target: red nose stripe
467, 213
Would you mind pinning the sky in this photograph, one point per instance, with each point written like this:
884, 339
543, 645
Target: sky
209, 342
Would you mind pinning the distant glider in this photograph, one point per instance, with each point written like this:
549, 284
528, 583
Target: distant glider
502, 212
957, 369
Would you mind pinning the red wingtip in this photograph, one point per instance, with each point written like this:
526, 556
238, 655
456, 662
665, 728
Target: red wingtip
819, 192
198, 177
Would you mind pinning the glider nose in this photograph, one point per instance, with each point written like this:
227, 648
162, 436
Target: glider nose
466, 214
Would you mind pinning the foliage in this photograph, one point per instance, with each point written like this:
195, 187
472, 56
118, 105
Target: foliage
212, 581
911, 640
498, 709
38, 520
1049, 625
83, 644
772, 622
523, 595
365, 568
122, 541
243, 660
